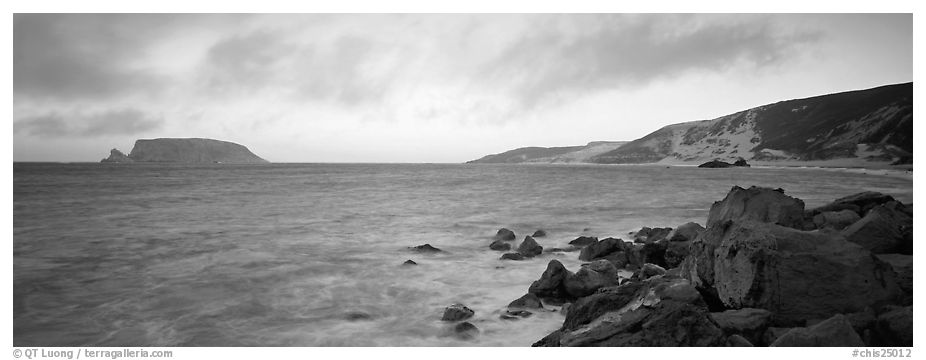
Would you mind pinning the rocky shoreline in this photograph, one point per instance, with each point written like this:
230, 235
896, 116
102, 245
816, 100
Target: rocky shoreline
763, 271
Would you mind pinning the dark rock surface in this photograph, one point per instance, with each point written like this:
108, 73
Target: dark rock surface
590, 278
903, 273
116, 156
539, 233
860, 203
504, 235
736, 340
583, 241
426, 248
499, 245
409, 262
758, 204
188, 150
465, 330
601, 248
457, 312
529, 247
550, 285
894, 328
884, 229
835, 331
685, 232
512, 256
715, 164
528, 301
649, 270
748, 322
835, 219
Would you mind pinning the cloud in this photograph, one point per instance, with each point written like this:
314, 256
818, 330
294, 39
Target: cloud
112, 122
245, 62
615, 52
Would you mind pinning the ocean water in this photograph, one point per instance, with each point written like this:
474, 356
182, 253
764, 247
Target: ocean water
311, 254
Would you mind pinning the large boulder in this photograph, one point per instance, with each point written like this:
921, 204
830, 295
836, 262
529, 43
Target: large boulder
894, 328
748, 322
601, 249
591, 277
591, 307
457, 312
504, 234
884, 229
584, 241
758, 204
796, 275
550, 285
835, 219
903, 273
649, 270
529, 247
685, 232
835, 331
860, 203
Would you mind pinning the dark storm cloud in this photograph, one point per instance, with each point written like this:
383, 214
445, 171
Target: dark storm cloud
633, 53
112, 122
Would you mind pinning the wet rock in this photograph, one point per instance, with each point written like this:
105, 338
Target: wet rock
504, 234
457, 312
528, 301
748, 322
465, 330
583, 241
618, 259
426, 248
515, 314
903, 273
685, 232
894, 328
560, 250
512, 256
590, 278
738, 341
835, 219
591, 307
601, 249
550, 285
883, 230
499, 245
668, 323
796, 275
539, 233
551, 340
835, 331
648, 235
758, 204
409, 262
529, 247
860, 203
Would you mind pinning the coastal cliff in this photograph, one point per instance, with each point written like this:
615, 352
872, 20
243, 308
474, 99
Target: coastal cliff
191, 150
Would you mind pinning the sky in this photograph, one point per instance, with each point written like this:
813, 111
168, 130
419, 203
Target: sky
419, 87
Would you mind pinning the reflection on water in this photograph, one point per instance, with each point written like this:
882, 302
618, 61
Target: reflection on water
310, 254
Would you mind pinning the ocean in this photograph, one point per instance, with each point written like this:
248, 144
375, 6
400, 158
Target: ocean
311, 254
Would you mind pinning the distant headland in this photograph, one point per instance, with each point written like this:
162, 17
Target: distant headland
188, 150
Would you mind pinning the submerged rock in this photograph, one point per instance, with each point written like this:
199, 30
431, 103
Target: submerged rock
504, 234
499, 245
529, 247
409, 262
835, 331
512, 256
465, 330
515, 314
426, 248
539, 233
457, 312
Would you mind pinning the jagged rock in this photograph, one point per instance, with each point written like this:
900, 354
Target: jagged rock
590, 278
685, 232
835, 219
860, 203
676, 252
648, 235
528, 301
465, 330
583, 241
409, 262
794, 274
894, 328
684, 323
539, 233
551, 340
835, 331
529, 247
601, 249
504, 234
512, 256
550, 285
618, 259
649, 270
883, 230
903, 272
426, 248
457, 312
750, 323
758, 204
116, 156
738, 341
499, 245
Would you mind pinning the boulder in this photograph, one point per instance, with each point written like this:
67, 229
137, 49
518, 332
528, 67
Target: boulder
512, 256
758, 204
591, 277
457, 312
903, 272
748, 322
835, 331
426, 248
796, 275
649, 270
655, 252
551, 340
515, 315
640, 236
894, 328
835, 219
465, 330
539, 233
559, 250
529, 247
860, 202
738, 341
528, 301
647, 235
601, 249
883, 230
675, 253
668, 323
409, 262
618, 259
499, 245
504, 234
685, 232
550, 285
583, 241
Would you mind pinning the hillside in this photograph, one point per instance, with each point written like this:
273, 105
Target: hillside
191, 150
866, 126
565, 154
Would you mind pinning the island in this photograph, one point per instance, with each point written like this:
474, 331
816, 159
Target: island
185, 150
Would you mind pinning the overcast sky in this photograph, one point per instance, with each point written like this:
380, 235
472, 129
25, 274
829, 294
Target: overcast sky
421, 88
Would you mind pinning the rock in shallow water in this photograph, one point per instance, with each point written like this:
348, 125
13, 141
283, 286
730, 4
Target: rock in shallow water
539, 233
512, 256
409, 262
504, 235
457, 312
529, 247
550, 285
426, 248
599, 249
499, 245
528, 301
583, 241
465, 330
